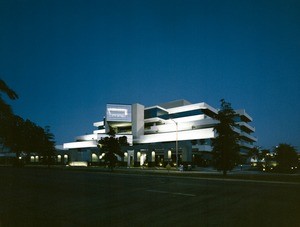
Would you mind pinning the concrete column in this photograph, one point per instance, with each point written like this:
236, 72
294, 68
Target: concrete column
137, 120
130, 158
186, 152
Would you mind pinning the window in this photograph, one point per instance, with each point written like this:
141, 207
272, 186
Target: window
154, 112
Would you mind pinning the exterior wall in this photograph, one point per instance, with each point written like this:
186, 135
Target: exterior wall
182, 135
82, 144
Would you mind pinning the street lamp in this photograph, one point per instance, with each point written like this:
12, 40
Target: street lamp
176, 143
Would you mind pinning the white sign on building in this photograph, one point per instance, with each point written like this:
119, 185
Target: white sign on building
118, 112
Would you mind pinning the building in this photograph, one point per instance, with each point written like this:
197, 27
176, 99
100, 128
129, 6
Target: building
176, 132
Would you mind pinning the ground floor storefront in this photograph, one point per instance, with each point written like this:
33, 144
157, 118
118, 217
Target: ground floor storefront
158, 154
140, 155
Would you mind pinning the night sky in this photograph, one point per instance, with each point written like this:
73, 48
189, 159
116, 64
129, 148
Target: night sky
67, 59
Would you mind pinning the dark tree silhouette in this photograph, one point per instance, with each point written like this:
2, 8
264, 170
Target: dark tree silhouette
264, 152
48, 145
10, 93
22, 135
253, 152
27, 137
6, 113
225, 145
112, 147
4, 107
286, 157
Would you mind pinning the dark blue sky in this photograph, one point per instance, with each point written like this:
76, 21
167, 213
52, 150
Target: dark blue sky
67, 59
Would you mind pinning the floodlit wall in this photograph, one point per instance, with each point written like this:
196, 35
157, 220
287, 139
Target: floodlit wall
82, 144
182, 135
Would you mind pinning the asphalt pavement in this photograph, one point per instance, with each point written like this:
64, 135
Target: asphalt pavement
77, 197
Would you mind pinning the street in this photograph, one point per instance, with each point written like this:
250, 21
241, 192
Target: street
60, 197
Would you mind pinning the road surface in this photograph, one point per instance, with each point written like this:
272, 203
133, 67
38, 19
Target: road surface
60, 197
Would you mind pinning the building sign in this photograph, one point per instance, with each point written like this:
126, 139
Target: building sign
117, 112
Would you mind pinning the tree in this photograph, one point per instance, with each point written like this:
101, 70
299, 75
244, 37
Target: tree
286, 157
23, 135
255, 156
253, 152
6, 113
14, 135
264, 152
5, 109
48, 145
27, 137
225, 145
112, 147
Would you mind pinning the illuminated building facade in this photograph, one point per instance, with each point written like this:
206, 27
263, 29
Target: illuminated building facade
176, 132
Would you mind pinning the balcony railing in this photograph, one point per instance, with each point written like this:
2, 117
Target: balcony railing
248, 136
244, 124
245, 144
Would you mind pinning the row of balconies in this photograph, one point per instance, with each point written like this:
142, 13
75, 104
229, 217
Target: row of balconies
245, 135
244, 115
248, 136
182, 126
246, 144
247, 126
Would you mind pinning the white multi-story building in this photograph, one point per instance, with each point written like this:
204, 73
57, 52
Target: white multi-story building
174, 132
